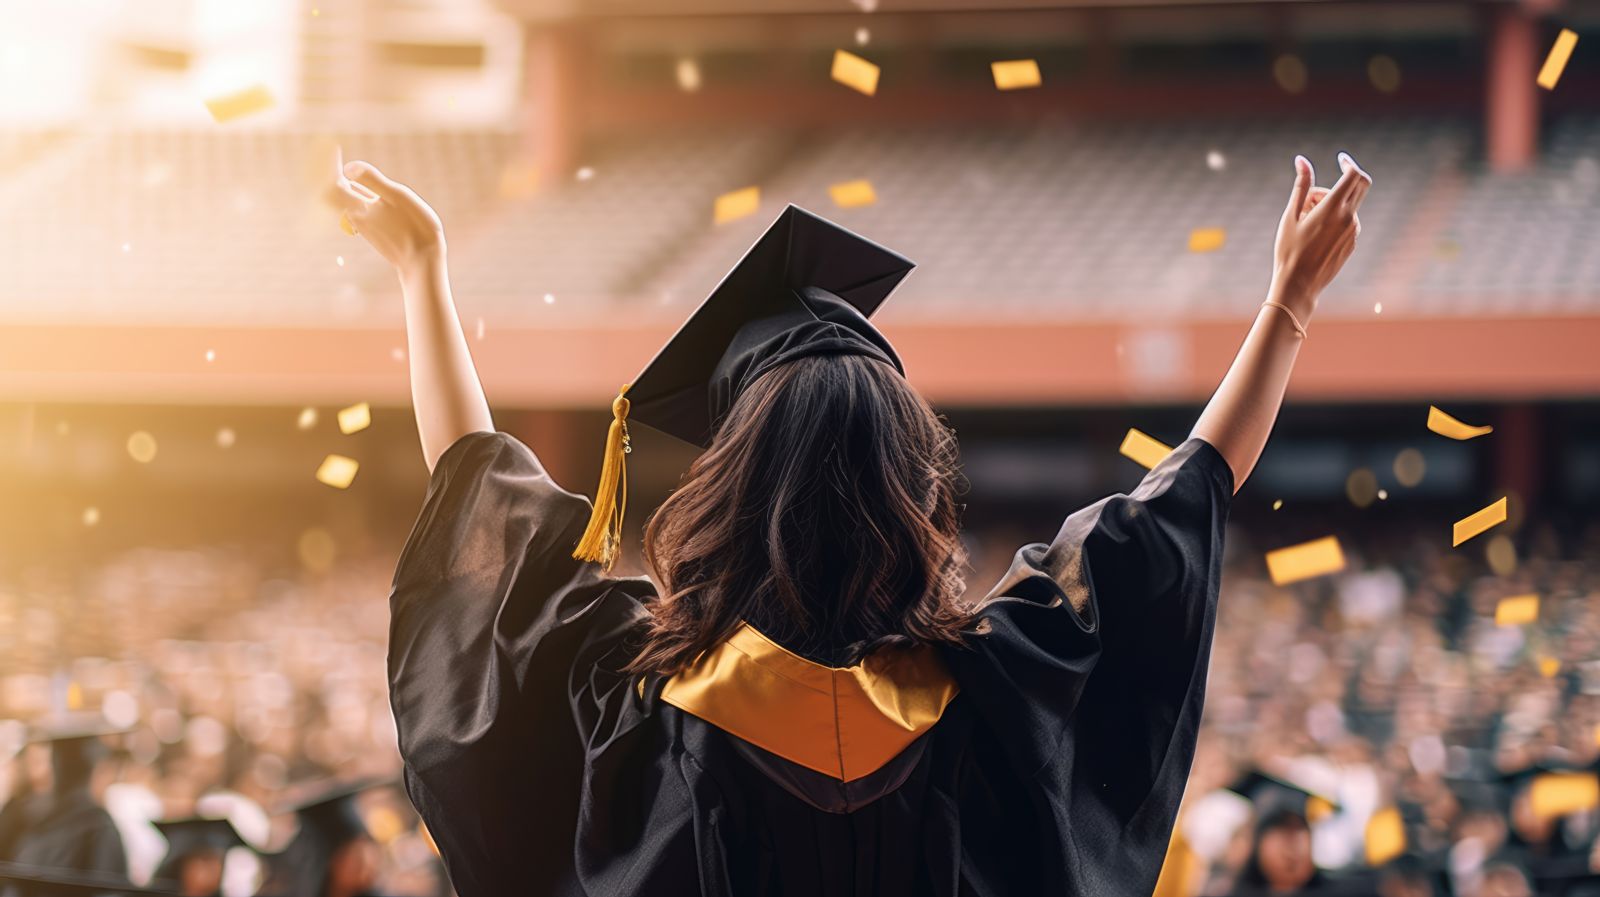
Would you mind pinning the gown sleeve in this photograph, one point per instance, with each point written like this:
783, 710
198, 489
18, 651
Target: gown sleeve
504, 665
1089, 658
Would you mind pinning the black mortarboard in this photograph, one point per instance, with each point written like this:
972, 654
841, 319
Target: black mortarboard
198, 833
806, 288
70, 882
329, 812
73, 726
1274, 796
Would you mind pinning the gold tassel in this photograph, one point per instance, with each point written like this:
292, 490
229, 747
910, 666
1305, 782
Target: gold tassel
602, 540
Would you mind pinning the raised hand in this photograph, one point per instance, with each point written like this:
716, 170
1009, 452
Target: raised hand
387, 214
1317, 234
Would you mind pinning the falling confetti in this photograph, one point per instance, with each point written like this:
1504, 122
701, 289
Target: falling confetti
1277, 504
1517, 610
91, 516
142, 447
688, 73
1385, 836
355, 418
337, 471
307, 419
226, 437
1307, 560
1216, 161
1383, 495
1556, 62
1290, 73
1144, 448
854, 72
249, 101
1377, 308
1015, 74
1548, 667
1207, 239
1445, 425
1383, 73
735, 205
339, 260
851, 194
1477, 524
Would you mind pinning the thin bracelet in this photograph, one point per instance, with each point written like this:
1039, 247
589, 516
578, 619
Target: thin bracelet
1298, 327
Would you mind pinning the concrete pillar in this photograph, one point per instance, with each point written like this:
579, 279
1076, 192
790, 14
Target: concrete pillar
553, 61
1511, 125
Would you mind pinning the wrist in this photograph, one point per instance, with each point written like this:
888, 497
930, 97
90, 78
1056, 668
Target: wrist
1301, 302
423, 263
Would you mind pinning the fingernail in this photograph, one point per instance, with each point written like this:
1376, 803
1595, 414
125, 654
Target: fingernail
352, 169
1346, 159
1300, 162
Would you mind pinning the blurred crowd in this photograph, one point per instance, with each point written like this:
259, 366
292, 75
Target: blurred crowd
1412, 746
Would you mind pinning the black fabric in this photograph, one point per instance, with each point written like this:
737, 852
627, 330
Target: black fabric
806, 287
541, 769
69, 833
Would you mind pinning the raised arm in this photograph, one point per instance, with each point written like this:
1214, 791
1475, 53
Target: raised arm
1317, 234
445, 392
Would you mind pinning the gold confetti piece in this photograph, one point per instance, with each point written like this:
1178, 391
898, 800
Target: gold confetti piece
226, 437
237, 105
1318, 808
1144, 448
854, 72
74, 696
1556, 62
1207, 239
851, 194
1516, 610
355, 418
1015, 74
735, 205
337, 471
1445, 425
142, 446
1386, 836
1277, 504
1556, 794
345, 225
307, 419
1475, 524
91, 516
1308, 560
1549, 666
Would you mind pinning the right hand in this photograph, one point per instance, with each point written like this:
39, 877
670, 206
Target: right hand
390, 216
1317, 234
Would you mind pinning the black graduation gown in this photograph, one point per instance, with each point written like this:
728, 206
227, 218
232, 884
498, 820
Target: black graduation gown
540, 769
72, 833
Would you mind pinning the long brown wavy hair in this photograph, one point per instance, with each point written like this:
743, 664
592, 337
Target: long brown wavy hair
824, 513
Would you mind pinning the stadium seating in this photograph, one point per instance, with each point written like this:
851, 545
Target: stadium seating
214, 225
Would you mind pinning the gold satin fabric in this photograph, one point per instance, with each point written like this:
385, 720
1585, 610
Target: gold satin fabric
845, 722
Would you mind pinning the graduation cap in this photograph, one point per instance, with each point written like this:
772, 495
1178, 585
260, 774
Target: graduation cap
806, 288
1275, 797
329, 812
73, 726
198, 834
53, 882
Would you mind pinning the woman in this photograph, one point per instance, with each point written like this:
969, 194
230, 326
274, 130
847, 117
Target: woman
801, 706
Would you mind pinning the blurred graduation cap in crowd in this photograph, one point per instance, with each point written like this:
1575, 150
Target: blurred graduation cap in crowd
331, 817
73, 726
1273, 796
807, 287
198, 834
